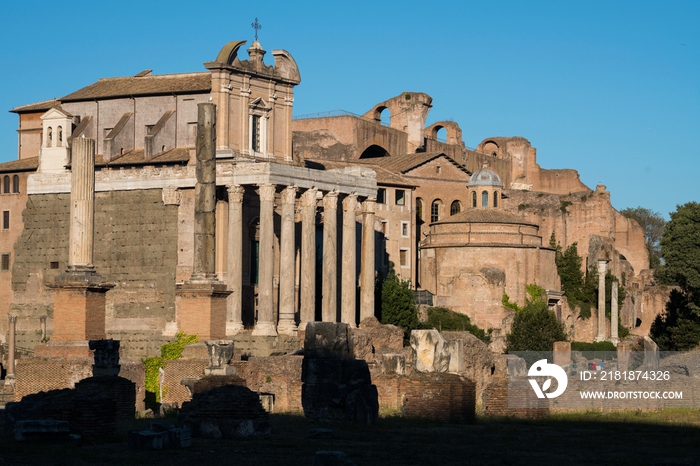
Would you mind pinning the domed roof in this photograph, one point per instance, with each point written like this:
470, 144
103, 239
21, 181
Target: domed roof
485, 177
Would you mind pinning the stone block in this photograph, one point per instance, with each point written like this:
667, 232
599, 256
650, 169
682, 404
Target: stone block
562, 353
393, 364
430, 351
321, 371
327, 340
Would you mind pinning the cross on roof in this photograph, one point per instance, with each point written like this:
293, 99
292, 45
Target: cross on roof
257, 26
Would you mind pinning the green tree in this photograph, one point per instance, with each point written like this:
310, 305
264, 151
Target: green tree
398, 304
581, 290
679, 327
653, 224
535, 328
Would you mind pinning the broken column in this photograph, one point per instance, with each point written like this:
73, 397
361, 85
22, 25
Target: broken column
79, 294
602, 266
200, 302
10, 375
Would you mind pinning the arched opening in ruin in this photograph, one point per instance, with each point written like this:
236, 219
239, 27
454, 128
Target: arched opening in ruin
638, 322
374, 151
440, 134
383, 115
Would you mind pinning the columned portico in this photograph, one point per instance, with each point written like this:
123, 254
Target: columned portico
269, 254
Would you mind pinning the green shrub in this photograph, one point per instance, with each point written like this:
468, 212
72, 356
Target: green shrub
535, 328
444, 319
595, 346
168, 352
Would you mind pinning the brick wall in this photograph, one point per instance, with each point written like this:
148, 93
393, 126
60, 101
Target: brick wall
496, 400
42, 375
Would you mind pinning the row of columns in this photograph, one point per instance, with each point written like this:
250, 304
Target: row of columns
266, 324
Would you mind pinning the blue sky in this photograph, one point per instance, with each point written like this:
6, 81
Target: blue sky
611, 89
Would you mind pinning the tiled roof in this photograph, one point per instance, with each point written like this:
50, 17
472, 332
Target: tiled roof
38, 106
23, 165
136, 157
406, 162
383, 176
144, 85
485, 216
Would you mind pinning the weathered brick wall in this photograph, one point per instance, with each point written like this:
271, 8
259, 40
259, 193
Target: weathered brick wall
495, 400
175, 372
279, 376
135, 246
438, 396
41, 375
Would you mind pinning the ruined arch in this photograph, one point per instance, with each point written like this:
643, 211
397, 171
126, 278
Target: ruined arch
374, 151
453, 133
490, 148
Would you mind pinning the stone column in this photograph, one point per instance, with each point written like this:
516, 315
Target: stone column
79, 294
308, 258
201, 302
82, 205
234, 312
266, 313
368, 268
349, 268
11, 348
205, 195
287, 325
330, 257
221, 233
602, 266
614, 313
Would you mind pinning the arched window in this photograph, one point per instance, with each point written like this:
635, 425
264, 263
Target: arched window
59, 142
6, 184
473, 198
495, 198
49, 137
455, 208
435, 210
419, 209
15, 184
484, 199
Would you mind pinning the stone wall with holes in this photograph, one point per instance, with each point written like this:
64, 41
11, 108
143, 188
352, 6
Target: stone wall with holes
135, 246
